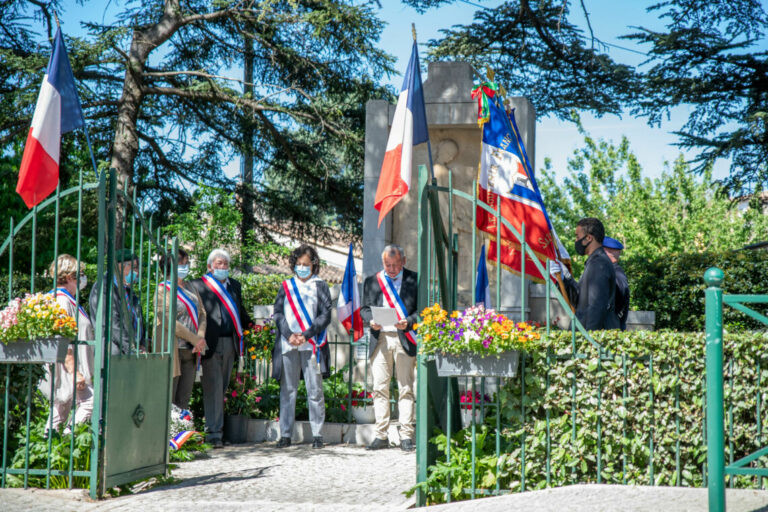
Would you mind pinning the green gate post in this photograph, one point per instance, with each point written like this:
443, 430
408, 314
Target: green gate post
713, 277
422, 393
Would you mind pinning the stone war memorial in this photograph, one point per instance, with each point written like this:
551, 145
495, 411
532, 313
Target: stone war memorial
264, 347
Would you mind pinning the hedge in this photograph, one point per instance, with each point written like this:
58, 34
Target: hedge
653, 437
673, 287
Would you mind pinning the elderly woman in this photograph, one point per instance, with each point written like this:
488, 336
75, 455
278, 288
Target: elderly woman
68, 379
302, 313
189, 329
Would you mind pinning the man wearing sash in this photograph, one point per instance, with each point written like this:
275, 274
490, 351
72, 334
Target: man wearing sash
223, 302
302, 313
393, 287
128, 331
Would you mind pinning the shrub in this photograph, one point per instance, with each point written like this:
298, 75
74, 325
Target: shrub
637, 411
673, 286
260, 289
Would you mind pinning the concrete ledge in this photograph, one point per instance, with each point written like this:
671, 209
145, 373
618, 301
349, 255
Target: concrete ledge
260, 431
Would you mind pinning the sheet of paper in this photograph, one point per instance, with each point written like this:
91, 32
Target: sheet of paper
385, 317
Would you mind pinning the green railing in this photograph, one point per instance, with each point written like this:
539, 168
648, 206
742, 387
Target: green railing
575, 413
715, 300
88, 213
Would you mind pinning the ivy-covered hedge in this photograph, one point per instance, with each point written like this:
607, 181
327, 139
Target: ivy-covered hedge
260, 289
673, 286
654, 436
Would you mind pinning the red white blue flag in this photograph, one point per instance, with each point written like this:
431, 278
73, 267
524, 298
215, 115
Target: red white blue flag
348, 306
393, 300
409, 129
57, 112
505, 173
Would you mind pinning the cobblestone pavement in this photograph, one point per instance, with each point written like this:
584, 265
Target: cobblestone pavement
257, 477
343, 478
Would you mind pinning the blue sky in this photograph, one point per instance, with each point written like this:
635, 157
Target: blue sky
554, 139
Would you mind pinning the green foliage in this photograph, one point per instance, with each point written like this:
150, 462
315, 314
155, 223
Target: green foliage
673, 286
675, 213
214, 222
635, 411
61, 447
259, 289
20, 377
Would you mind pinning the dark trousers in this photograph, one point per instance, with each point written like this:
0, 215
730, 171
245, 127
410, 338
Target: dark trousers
182, 385
216, 372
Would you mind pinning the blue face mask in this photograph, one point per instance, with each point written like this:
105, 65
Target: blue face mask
221, 273
303, 271
132, 277
182, 271
399, 274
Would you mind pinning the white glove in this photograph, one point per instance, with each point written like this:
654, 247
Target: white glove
556, 267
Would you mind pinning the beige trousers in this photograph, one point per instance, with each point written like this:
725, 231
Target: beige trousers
389, 353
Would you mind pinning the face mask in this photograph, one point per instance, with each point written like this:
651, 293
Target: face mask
82, 282
303, 271
399, 275
132, 277
580, 246
182, 271
221, 273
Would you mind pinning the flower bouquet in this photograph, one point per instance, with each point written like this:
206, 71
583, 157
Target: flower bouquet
478, 341
28, 325
258, 340
471, 405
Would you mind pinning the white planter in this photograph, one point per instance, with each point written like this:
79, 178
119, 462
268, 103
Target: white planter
467, 414
364, 415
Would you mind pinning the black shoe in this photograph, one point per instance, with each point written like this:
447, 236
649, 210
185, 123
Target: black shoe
407, 445
378, 444
284, 442
217, 444
317, 442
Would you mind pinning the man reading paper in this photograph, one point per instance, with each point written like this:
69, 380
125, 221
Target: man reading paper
397, 288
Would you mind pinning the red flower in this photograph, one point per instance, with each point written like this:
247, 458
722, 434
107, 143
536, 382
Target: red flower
234, 393
343, 408
258, 328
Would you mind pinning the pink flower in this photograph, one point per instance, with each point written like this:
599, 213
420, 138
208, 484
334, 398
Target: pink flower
343, 408
258, 399
234, 393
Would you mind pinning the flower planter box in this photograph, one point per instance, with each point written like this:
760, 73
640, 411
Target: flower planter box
471, 365
44, 350
364, 415
468, 412
236, 428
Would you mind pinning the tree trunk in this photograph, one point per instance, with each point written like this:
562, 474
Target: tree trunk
246, 229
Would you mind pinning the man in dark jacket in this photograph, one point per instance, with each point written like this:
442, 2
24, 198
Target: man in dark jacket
127, 321
392, 348
613, 249
595, 293
226, 317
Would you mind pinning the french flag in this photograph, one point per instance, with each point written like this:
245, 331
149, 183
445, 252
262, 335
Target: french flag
409, 128
482, 288
348, 306
57, 112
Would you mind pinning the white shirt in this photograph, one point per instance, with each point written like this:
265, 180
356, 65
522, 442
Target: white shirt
397, 283
308, 291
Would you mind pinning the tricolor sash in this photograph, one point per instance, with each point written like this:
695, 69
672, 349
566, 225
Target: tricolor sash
181, 438
393, 300
226, 299
187, 301
64, 292
298, 317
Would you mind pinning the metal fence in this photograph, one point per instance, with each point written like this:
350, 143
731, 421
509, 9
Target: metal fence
575, 413
127, 421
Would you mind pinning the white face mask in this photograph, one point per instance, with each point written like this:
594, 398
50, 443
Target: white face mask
82, 282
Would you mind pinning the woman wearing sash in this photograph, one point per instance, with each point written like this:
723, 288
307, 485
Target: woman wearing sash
67, 378
302, 313
189, 330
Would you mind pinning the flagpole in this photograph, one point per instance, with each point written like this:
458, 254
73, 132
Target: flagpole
490, 76
85, 129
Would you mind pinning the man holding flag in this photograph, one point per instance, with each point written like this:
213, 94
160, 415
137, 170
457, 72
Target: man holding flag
57, 112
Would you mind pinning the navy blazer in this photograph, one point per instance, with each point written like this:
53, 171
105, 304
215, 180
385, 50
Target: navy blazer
372, 296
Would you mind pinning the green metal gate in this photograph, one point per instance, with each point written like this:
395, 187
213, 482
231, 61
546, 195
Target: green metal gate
127, 437
715, 300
